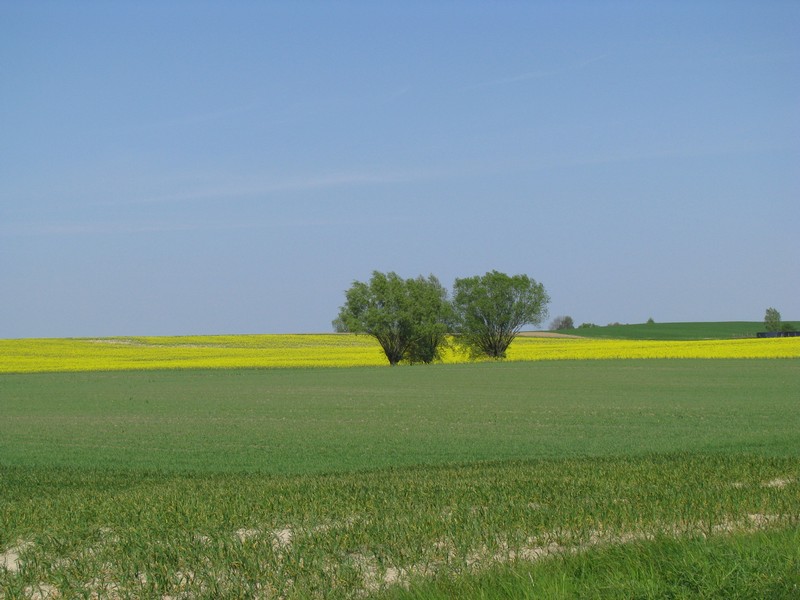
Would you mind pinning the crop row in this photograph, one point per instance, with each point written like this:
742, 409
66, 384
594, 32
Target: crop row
153, 536
336, 350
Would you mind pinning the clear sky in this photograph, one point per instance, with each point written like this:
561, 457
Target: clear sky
231, 167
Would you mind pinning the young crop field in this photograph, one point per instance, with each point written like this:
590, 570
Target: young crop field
677, 331
573, 478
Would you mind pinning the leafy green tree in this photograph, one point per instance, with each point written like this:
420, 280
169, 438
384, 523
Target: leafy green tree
490, 310
772, 320
432, 315
381, 309
407, 317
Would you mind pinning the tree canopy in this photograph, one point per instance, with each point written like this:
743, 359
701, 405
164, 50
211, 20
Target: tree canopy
411, 318
408, 317
772, 319
490, 310
432, 315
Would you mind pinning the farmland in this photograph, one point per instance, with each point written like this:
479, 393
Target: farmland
334, 350
678, 331
537, 477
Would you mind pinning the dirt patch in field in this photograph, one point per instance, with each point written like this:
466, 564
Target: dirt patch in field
9, 560
778, 483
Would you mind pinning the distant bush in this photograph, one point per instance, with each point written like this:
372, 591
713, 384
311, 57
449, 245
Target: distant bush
586, 325
772, 320
650, 321
560, 323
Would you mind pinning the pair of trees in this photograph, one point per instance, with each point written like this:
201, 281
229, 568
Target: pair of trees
411, 318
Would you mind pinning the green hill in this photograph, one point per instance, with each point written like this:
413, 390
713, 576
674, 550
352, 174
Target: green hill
675, 331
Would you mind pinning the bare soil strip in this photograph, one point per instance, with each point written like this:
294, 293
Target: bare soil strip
376, 577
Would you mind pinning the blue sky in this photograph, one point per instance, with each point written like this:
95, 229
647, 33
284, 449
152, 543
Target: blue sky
209, 167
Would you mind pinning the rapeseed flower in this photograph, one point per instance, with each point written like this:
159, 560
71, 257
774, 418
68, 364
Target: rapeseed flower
336, 350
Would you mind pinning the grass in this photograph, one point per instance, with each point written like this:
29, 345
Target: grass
764, 564
148, 534
638, 478
292, 421
718, 330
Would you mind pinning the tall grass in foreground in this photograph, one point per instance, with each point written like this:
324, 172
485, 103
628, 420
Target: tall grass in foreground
744, 566
151, 535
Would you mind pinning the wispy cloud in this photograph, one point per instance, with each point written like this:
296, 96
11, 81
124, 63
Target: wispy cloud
537, 74
215, 197
401, 92
585, 63
227, 190
72, 228
507, 80
90, 228
205, 117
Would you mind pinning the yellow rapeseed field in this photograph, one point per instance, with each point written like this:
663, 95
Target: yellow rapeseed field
188, 352
335, 350
528, 348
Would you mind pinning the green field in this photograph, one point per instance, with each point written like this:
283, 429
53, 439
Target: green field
297, 421
493, 480
720, 330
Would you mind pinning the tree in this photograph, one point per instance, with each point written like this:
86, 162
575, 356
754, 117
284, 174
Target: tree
379, 308
562, 323
432, 315
407, 317
772, 320
490, 310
